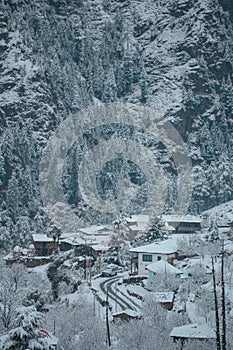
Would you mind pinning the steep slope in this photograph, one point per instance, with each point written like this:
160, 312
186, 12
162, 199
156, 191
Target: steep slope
223, 213
58, 57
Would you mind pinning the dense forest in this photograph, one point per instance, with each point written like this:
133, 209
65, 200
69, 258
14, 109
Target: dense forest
59, 57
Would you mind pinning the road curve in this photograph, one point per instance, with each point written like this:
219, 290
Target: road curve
107, 284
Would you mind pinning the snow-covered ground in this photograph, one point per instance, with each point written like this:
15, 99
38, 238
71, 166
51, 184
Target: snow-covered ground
223, 213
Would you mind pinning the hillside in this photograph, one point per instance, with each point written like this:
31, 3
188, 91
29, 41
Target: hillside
59, 57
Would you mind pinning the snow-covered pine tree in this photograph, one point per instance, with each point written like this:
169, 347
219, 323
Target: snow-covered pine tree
226, 95
2, 170
26, 333
22, 230
13, 197
224, 177
109, 87
56, 273
213, 230
157, 231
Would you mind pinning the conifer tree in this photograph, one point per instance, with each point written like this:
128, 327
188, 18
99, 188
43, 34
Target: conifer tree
26, 333
157, 231
213, 230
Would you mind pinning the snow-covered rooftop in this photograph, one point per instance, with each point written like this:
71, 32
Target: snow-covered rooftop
99, 242
37, 237
138, 218
138, 222
17, 249
195, 330
181, 218
100, 247
163, 266
164, 297
129, 312
167, 246
169, 227
139, 227
96, 230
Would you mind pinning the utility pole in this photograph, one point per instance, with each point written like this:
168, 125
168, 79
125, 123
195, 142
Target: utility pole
223, 301
116, 297
107, 321
84, 251
182, 342
90, 270
85, 268
93, 305
218, 342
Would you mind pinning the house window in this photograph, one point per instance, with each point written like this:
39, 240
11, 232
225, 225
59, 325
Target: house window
159, 258
147, 257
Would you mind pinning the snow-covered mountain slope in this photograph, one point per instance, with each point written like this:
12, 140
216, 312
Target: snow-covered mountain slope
223, 213
58, 57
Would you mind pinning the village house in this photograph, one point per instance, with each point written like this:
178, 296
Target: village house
162, 271
90, 240
162, 267
137, 224
44, 245
183, 224
95, 231
131, 226
26, 256
79, 248
95, 239
125, 315
69, 241
144, 255
166, 299
193, 333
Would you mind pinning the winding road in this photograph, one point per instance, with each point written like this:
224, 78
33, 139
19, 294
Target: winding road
107, 285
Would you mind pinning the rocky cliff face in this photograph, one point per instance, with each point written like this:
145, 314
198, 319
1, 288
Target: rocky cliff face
58, 57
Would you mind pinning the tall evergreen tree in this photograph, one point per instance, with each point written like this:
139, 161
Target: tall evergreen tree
213, 230
157, 231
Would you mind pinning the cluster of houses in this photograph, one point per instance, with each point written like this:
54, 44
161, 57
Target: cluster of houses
95, 239
152, 257
147, 260
88, 241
